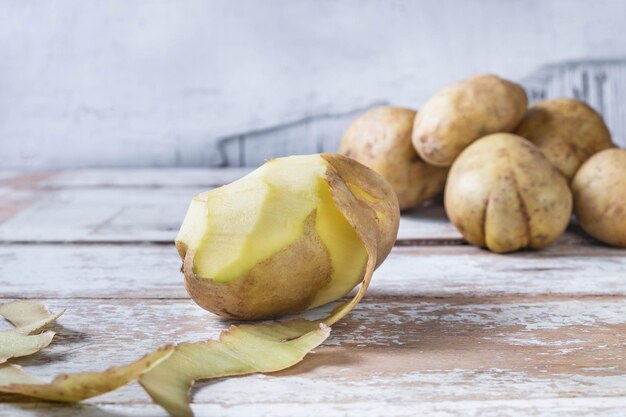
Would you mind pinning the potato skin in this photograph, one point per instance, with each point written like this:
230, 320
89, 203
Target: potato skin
262, 292
462, 112
566, 130
381, 140
599, 189
504, 194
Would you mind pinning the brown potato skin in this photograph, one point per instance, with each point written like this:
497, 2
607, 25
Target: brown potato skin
381, 140
462, 112
599, 189
384, 213
503, 194
261, 293
567, 131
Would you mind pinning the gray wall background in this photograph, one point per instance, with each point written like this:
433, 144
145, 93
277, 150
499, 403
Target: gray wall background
194, 83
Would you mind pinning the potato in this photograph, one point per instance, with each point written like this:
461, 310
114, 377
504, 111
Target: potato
566, 130
462, 112
286, 237
381, 140
503, 193
599, 189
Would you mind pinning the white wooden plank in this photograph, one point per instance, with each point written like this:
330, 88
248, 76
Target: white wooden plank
413, 351
102, 214
153, 214
149, 178
574, 407
152, 271
428, 222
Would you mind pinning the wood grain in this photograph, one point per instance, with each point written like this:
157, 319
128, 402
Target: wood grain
152, 271
128, 213
446, 329
575, 407
416, 349
148, 178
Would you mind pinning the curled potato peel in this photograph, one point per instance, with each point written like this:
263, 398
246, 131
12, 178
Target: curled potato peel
28, 317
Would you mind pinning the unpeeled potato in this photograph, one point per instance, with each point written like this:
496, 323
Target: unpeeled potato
599, 189
462, 112
503, 193
286, 237
566, 130
381, 140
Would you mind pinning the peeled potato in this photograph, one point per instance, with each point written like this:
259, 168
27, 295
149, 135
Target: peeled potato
599, 189
566, 130
503, 193
277, 241
462, 112
381, 140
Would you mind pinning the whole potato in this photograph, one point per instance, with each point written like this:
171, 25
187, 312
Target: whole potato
296, 233
599, 189
381, 140
462, 112
566, 130
503, 193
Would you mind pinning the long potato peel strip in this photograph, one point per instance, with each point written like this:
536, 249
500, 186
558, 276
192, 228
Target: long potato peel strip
79, 386
271, 347
240, 350
28, 317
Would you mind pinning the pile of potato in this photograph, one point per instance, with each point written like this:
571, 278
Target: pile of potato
512, 174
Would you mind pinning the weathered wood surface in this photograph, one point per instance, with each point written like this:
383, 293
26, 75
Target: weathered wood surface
412, 349
446, 329
148, 206
574, 407
152, 271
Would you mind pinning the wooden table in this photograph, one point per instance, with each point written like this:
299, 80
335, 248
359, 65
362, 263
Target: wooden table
447, 329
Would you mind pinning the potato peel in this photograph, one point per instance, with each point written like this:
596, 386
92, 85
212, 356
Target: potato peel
28, 317
240, 350
13, 344
79, 386
15, 374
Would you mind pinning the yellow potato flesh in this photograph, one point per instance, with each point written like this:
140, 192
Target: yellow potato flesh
235, 227
347, 253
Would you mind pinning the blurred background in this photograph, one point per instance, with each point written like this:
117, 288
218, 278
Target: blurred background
166, 83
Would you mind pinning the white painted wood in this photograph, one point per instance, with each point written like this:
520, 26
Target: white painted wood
412, 351
143, 178
597, 407
97, 215
123, 213
443, 331
601, 83
152, 271
155, 83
